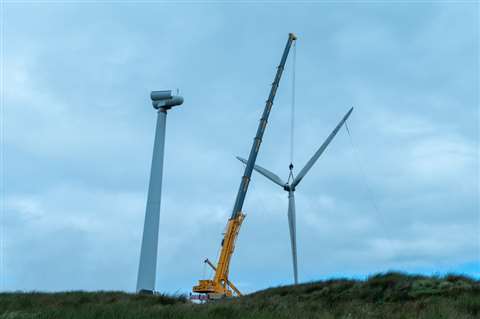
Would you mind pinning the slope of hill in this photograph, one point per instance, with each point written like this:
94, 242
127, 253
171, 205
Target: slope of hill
390, 295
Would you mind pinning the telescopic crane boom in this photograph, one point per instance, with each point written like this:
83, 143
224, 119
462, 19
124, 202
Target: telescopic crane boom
220, 285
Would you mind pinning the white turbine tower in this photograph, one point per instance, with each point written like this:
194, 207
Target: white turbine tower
290, 188
162, 101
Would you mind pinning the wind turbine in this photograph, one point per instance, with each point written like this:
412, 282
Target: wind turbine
290, 188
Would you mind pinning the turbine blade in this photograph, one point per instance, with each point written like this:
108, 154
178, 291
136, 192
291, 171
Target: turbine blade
293, 233
265, 172
320, 151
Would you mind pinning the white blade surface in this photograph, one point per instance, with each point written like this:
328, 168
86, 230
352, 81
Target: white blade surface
320, 151
293, 233
265, 172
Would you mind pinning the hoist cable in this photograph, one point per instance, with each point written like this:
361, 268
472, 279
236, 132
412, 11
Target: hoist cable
292, 113
370, 192
362, 169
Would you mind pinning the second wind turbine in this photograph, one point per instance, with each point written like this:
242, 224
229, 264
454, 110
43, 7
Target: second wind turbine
290, 188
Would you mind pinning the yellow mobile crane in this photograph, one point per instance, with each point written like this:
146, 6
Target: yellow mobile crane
220, 286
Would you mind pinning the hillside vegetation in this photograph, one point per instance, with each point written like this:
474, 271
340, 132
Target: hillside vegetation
390, 295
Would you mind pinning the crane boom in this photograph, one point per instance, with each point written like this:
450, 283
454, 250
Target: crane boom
220, 286
242, 190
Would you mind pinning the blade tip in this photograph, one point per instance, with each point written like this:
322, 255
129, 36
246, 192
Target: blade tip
241, 159
349, 112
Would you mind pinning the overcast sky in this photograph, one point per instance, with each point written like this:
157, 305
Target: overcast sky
402, 194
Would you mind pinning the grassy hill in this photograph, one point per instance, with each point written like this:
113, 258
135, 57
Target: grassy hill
390, 295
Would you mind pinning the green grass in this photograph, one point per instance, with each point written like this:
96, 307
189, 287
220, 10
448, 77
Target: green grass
390, 295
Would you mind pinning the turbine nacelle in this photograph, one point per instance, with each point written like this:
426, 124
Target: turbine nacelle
164, 100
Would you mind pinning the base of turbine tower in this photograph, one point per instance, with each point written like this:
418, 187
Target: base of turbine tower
146, 292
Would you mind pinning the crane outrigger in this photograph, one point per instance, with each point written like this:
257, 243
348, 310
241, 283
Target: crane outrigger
220, 286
